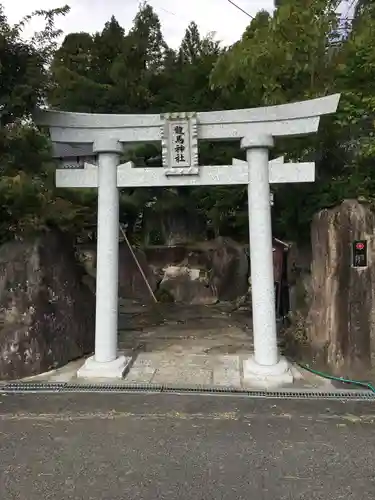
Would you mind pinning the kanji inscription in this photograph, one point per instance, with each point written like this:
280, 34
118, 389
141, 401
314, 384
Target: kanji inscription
179, 143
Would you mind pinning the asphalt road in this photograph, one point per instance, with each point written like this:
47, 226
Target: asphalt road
150, 447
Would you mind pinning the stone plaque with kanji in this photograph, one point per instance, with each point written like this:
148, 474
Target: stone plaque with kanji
179, 144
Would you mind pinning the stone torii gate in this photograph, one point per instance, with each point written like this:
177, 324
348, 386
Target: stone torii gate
179, 134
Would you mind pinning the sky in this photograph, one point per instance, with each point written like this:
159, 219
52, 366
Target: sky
217, 16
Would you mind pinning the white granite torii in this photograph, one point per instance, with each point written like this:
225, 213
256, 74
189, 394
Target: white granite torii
179, 134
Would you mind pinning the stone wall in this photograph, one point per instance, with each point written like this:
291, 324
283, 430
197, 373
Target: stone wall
47, 313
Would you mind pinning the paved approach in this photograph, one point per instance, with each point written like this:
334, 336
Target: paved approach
191, 447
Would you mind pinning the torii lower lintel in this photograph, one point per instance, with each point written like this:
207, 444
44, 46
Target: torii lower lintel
237, 174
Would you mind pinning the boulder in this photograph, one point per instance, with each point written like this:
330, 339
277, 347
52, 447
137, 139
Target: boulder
200, 273
131, 283
173, 227
229, 268
299, 279
203, 273
47, 313
188, 285
341, 320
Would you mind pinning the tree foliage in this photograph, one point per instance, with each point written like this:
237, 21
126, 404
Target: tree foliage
300, 51
28, 197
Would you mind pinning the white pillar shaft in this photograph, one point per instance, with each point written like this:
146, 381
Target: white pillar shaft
107, 260
261, 258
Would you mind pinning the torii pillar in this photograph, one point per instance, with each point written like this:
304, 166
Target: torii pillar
106, 363
266, 364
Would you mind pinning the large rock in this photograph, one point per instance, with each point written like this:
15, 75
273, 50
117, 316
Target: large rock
132, 284
203, 273
341, 321
174, 227
188, 285
229, 268
299, 279
47, 313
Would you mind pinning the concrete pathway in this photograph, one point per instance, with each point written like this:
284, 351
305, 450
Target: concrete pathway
215, 329
194, 369
183, 370
207, 370
179, 345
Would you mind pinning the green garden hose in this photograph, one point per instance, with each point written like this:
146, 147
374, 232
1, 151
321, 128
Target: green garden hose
367, 385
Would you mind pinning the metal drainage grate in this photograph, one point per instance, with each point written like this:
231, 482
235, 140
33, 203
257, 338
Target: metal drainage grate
31, 387
45, 387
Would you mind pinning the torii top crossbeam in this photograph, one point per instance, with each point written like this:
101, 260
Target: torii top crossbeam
294, 119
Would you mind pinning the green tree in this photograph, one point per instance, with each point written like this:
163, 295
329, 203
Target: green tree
300, 51
363, 7
110, 71
284, 57
74, 86
292, 55
355, 76
23, 71
28, 198
148, 39
191, 45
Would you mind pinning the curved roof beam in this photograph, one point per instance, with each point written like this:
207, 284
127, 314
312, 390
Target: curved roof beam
293, 119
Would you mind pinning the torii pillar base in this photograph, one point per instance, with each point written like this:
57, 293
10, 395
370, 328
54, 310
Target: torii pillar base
93, 369
267, 377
